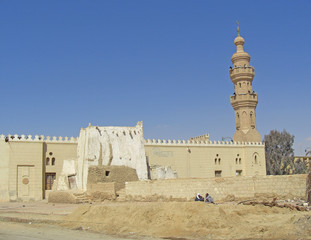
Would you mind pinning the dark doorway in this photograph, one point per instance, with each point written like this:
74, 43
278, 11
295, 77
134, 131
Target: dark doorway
49, 180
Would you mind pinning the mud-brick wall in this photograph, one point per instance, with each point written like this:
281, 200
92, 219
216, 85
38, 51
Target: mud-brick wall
220, 188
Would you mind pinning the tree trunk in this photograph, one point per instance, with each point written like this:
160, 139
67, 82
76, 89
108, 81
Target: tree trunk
308, 187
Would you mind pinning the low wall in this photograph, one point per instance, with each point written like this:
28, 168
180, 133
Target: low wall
108, 188
219, 188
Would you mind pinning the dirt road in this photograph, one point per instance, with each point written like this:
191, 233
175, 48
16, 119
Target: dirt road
19, 231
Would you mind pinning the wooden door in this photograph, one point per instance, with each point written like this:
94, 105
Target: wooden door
25, 182
49, 180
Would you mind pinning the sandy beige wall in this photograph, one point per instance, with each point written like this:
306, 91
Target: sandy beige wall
21, 160
25, 155
60, 152
199, 161
220, 188
4, 172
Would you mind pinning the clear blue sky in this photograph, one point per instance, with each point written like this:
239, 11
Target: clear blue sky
64, 64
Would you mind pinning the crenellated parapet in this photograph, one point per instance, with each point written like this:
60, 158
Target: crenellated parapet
37, 138
204, 137
150, 142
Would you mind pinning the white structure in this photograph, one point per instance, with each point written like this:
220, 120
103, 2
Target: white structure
111, 146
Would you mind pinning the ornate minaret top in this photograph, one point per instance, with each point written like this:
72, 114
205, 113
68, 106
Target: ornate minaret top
244, 99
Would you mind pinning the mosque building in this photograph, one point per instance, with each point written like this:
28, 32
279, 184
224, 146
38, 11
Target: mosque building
29, 166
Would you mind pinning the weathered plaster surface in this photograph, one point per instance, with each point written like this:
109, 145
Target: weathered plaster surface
69, 169
111, 146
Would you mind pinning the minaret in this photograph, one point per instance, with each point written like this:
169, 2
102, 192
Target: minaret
244, 99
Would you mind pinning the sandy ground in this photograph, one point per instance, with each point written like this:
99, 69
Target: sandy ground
193, 220
169, 220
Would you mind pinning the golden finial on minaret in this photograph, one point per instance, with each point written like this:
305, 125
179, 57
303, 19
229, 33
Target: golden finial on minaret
238, 28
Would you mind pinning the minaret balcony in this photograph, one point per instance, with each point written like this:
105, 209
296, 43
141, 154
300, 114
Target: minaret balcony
241, 100
242, 73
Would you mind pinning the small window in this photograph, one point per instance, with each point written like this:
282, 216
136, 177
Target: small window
217, 173
219, 159
47, 161
53, 161
240, 161
255, 159
215, 160
107, 173
236, 161
50, 153
238, 172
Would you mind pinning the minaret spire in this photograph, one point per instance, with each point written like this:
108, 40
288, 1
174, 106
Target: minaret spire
244, 99
238, 28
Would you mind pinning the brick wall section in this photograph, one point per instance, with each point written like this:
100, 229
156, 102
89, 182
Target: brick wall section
108, 187
220, 188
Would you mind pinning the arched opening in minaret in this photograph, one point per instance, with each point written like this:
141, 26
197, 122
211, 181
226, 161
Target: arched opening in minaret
237, 121
244, 120
252, 119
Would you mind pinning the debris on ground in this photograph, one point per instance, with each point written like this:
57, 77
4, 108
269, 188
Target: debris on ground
294, 204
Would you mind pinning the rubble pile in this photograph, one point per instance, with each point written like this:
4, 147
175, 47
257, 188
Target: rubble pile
294, 204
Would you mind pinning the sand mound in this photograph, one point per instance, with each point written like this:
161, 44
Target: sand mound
195, 220
61, 197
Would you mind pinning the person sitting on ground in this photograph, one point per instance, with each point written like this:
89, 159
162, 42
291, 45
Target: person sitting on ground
208, 198
199, 198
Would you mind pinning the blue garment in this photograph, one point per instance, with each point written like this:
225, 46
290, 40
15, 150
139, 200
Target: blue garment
199, 199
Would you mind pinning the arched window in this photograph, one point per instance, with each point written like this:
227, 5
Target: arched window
251, 116
47, 161
244, 120
256, 158
53, 161
237, 121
